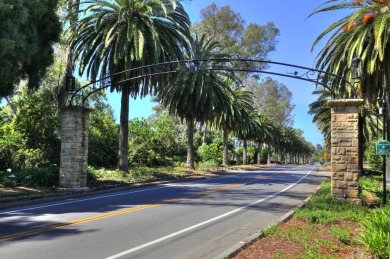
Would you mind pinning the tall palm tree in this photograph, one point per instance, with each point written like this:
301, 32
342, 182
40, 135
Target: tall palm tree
118, 35
266, 134
364, 34
197, 94
233, 115
248, 129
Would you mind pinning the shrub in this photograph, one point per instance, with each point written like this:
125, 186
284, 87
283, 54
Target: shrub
210, 152
376, 233
40, 177
374, 161
208, 164
371, 184
9, 183
31, 177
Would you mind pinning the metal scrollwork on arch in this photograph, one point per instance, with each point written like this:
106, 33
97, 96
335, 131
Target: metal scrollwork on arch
79, 97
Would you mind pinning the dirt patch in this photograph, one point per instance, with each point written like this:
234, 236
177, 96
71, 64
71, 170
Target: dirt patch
298, 238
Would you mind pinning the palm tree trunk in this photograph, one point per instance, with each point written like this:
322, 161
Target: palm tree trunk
225, 159
123, 163
204, 133
276, 158
72, 8
244, 152
259, 153
268, 155
190, 145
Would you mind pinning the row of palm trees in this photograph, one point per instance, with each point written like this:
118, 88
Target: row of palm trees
118, 35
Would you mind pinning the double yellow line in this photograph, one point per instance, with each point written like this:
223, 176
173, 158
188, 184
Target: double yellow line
120, 212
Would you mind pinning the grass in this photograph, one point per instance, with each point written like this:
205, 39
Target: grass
137, 175
322, 208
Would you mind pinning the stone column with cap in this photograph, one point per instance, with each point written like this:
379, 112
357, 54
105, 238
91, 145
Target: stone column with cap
345, 148
74, 147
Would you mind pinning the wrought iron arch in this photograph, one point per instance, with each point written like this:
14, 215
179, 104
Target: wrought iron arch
196, 65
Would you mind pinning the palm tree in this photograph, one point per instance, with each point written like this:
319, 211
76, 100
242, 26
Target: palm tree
248, 129
364, 34
118, 35
233, 115
321, 113
267, 131
322, 117
197, 93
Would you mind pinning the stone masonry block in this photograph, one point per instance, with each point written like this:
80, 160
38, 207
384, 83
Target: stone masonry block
348, 176
340, 150
338, 192
342, 184
352, 193
353, 185
337, 158
338, 167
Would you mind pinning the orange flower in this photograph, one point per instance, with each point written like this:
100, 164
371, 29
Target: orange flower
349, 26
368, 18
357, 1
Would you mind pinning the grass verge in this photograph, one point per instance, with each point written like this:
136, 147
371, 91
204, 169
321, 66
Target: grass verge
328, 228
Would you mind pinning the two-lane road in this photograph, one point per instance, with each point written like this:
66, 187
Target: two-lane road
196, 219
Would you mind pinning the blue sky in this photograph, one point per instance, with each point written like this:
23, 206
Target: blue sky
297, 34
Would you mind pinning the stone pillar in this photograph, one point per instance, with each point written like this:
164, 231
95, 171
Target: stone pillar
74, 147
344, 148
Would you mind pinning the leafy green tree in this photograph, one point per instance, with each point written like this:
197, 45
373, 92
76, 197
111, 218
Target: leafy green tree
118, 35
103, 133
31, 138
221, 24
29, 28
11, 142
168, 139
210, 152
142, 145
272, 99
37, 122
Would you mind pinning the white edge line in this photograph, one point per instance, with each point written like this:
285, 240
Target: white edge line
165, 185
205, 222
82, 200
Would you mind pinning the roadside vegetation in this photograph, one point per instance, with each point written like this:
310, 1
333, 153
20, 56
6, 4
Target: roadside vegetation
329, 228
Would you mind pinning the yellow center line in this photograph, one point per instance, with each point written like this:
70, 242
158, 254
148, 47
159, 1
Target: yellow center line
122, 211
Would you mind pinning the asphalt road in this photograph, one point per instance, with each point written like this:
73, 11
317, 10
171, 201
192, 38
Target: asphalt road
196, 219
